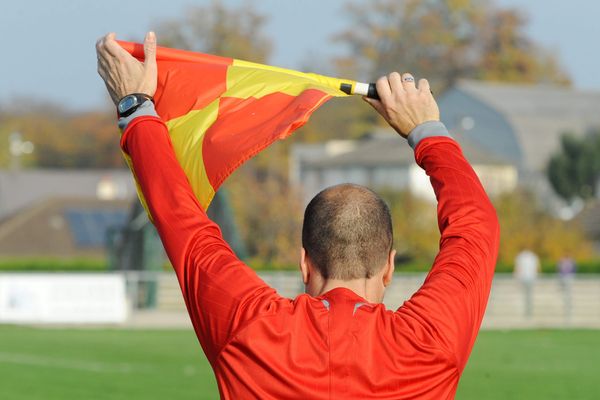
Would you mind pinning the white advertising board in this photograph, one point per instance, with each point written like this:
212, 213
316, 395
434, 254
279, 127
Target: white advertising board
62, 298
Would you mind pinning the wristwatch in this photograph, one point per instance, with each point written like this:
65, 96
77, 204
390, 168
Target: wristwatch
128, 104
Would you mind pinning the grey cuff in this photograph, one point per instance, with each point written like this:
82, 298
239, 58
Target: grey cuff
145, 109
425, 130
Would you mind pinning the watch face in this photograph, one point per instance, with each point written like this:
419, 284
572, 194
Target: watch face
126, 103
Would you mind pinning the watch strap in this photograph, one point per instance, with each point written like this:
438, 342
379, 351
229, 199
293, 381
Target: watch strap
146, 109
139, 99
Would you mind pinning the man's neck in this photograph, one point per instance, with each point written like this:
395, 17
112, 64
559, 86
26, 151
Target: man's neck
362, 287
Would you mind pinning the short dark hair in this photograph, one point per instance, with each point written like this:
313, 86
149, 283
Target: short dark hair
347, 232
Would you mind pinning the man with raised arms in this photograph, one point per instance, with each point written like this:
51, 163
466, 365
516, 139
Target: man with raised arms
336, 341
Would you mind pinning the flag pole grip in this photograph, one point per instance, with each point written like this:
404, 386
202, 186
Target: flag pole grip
372, 92
365, 89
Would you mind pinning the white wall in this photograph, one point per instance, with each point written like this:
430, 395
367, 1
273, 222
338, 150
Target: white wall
62, 298
393, 177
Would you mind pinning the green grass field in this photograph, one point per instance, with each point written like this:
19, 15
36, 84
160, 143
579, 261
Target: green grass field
134, 364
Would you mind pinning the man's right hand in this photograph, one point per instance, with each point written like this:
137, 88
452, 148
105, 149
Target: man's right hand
402, 104
122, 73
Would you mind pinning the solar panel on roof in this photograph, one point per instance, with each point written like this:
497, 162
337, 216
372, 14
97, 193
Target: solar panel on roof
89, 227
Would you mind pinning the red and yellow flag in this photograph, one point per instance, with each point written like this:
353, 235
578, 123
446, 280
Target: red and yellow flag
221, 111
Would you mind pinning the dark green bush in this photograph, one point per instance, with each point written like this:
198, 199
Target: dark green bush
89, 264
52, 265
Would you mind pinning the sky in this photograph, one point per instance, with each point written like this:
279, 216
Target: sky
48, 46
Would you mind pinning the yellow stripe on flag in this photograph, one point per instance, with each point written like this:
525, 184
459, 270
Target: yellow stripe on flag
244, 77
137, 185
187, 134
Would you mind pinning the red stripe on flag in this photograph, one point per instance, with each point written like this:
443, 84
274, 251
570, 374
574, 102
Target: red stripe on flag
183, 87
246, 126
186, 80
168, 54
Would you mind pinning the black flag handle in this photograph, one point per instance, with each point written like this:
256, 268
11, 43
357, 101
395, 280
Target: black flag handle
363, 89
372, 92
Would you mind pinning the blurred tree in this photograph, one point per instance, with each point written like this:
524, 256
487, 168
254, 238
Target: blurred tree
574, 171
268, 210
429, 38
349, 118
442, 40
216, 29
510, 56
63, 139
416, 234
523, 224
88, 140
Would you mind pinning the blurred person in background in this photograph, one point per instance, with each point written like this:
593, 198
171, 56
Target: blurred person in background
337, 340
566, 268
527, 267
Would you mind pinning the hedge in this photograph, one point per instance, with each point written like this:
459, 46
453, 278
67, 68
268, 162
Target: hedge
92, 264
52, 265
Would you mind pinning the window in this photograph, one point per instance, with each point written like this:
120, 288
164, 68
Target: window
89, 227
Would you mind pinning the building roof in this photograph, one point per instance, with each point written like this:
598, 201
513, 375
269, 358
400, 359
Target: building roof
535, 115
386, 148
371, 152
62, 227
20, 189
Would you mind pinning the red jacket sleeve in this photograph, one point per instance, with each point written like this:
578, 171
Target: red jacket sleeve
220, 291
451, 303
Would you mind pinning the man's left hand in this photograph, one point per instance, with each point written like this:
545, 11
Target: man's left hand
122, 73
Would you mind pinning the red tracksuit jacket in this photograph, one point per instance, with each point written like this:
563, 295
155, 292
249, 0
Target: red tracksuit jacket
264, 346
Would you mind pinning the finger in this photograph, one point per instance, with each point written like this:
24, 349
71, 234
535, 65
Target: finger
383, 88
113, 48
150, 51
102, 53
408, 82
376, 104
104, 43
424, 86
107, 60
103, 66
103, 71
101, 48
99, 44
395, 82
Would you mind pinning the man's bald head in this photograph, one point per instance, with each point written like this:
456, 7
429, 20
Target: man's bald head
347, 232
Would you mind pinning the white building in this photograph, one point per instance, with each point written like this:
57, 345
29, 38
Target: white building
508, 132
384, 161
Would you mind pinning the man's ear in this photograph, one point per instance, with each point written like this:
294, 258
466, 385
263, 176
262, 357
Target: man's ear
304, 269
389, 269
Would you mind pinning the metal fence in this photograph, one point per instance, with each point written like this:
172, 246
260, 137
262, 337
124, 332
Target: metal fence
552, 302
154, 298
